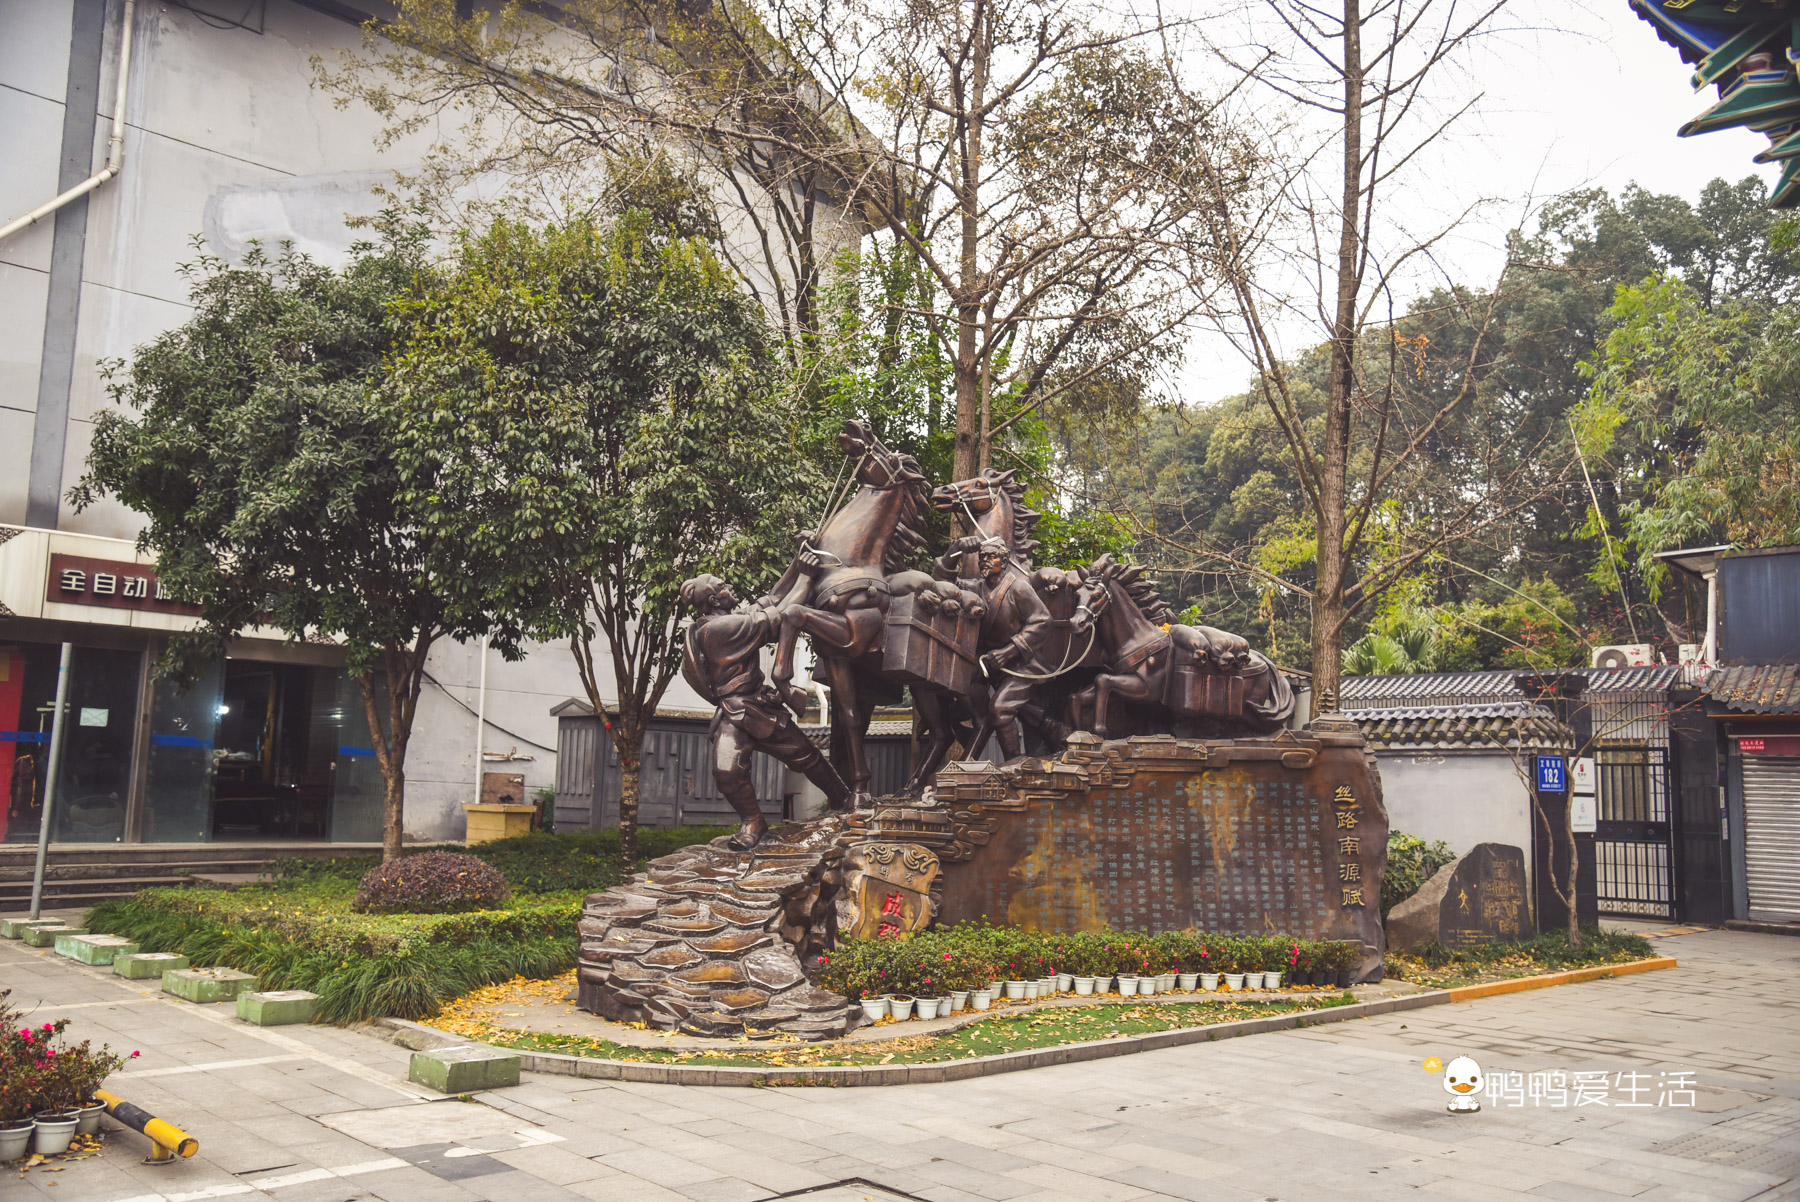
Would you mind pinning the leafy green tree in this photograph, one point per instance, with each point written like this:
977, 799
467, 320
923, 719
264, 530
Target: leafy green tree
1702, 405
592, 411
252, 439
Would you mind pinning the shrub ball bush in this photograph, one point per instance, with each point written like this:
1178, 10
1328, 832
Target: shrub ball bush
437, 882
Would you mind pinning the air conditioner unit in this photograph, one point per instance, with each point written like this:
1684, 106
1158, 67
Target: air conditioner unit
1625, 655
1690, 653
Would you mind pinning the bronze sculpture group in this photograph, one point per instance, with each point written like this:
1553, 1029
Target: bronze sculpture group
991, 647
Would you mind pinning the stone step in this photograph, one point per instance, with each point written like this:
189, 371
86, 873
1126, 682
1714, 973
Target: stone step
13, 893
72, 870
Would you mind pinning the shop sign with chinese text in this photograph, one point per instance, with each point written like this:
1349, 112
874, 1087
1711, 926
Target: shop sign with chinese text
111, 584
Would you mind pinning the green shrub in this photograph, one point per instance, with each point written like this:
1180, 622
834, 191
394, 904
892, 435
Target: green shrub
1410, 863
438, 882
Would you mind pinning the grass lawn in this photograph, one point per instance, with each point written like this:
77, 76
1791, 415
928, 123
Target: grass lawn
298, 931
991, 1036
1441, 968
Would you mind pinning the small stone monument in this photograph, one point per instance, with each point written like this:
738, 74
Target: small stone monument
1474, 900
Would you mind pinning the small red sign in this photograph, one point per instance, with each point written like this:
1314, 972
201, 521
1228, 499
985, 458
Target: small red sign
111, 584
1769, 745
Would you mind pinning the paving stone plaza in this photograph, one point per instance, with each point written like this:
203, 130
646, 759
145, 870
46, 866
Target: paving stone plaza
1679, 1084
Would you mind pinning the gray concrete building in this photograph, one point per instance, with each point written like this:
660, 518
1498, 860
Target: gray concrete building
214, 131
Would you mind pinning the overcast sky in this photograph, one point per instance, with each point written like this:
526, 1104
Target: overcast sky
1596, 103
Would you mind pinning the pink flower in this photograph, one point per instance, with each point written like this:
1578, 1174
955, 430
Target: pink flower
946, 955
133, 1054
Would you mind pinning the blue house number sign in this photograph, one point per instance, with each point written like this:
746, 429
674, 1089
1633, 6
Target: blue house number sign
1553, 776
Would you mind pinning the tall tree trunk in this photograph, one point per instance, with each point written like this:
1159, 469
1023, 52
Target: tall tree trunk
971, 448
391, 759
1334, 469
628, 739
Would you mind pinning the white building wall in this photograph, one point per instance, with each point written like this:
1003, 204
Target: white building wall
1461, 798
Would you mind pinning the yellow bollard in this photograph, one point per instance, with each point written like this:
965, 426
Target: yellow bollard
167, 1141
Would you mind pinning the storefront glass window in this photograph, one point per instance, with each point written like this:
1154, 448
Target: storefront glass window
357, 785
96, 760
179, 799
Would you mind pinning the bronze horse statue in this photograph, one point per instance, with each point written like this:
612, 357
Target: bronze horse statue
1207, 680
1032, 658
840, 585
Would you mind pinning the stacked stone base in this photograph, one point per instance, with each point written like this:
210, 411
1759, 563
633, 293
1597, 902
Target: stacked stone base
709, 940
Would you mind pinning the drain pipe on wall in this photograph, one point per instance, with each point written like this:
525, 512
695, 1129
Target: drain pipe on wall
115, 145
481, 720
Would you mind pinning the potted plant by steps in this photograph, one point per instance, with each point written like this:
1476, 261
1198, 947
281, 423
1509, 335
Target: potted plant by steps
900, 1007
875, 1008
927, 1007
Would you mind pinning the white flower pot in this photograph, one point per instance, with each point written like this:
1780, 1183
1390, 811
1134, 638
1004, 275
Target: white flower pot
1031, 992
54, 1134
14, 1140
1234, 980
1102, 985
875, 1008
1147, 986
87, 1119
900, 1008
981, 999
959, 1000
1128, 986
1209, 981
1253, 980
1271, 980
1084, 987
926, 1007
1168, 981
1047, 986
1187, 980
1064, 982
1015, 990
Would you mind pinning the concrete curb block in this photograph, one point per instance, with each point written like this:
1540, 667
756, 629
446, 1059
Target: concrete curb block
556, 1064
418, 1036
1467, 993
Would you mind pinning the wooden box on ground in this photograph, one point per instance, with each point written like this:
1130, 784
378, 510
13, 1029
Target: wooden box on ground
489, 822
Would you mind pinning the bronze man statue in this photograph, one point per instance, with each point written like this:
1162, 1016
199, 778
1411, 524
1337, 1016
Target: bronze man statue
722, 661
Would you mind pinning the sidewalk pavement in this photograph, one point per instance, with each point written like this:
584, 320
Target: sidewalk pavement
1342, 1111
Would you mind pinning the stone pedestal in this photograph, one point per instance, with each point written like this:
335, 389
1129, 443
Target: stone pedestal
1476, 899
15, 928
46, 936
277, 1008
464, 1069
207, 984
1285, 833
147, 966
94, 949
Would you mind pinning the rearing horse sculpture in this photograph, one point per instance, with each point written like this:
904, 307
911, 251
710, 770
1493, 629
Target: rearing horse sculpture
1032, 659
838, 588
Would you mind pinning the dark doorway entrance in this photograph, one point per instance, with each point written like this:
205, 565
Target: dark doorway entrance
1632, 839
275, 743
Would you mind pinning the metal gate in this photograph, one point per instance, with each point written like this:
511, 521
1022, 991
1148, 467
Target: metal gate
1772, 837
1634, 865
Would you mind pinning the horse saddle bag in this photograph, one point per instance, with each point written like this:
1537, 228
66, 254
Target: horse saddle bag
1199, 691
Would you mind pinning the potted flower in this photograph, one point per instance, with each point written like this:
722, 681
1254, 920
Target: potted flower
1231, 962
18, 1094
84, 1069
